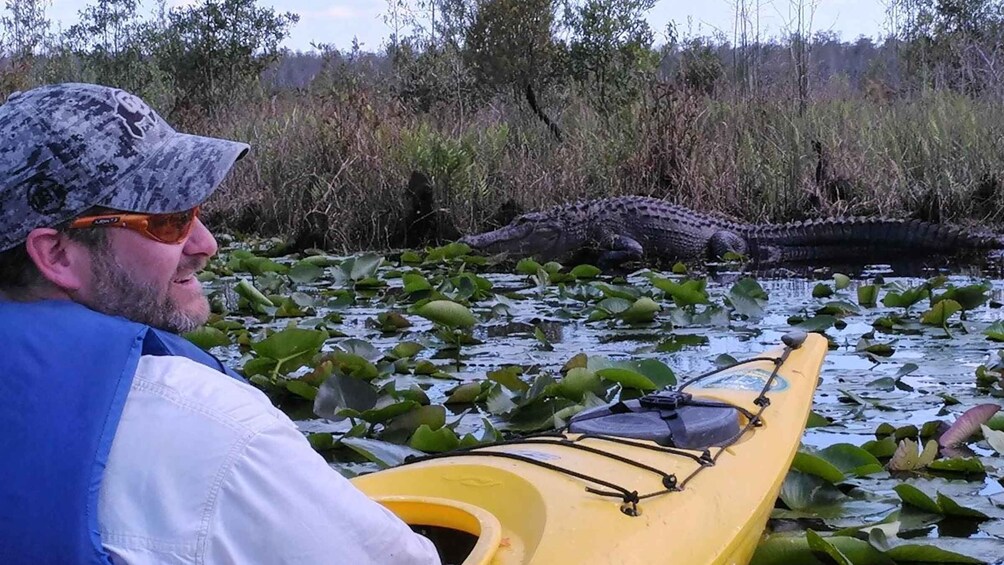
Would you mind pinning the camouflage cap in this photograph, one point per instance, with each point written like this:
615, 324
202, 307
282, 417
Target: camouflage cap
65, 148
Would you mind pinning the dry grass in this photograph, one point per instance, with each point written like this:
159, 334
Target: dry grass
347, 155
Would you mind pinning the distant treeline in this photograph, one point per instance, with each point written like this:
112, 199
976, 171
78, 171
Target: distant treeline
510, 104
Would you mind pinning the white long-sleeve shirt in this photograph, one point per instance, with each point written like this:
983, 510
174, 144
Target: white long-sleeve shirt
203, 469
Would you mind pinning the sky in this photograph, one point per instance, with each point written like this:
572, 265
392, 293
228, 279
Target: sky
337, 22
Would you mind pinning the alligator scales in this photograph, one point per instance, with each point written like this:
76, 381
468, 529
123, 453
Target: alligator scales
625, 228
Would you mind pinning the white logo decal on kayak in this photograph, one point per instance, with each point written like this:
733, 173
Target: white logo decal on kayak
753, 379
537, 455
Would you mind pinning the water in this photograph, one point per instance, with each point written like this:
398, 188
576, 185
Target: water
857, 391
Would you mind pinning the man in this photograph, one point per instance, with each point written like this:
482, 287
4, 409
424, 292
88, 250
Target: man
121, 442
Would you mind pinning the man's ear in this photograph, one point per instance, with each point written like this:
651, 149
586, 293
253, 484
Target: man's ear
61, 261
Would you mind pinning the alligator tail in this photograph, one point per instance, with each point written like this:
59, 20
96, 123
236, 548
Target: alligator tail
831, 236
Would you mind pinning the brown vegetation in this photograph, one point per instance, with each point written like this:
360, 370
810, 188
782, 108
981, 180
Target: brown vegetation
910, 127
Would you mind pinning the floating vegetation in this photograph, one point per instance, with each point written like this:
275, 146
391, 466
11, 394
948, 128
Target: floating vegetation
379, 358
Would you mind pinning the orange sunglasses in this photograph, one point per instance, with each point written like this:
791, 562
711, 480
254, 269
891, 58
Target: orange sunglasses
165, 228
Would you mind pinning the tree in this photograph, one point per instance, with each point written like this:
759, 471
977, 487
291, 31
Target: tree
951, 43
217, 50
610, 47
24, 30
510, 43
25, 27
114, 47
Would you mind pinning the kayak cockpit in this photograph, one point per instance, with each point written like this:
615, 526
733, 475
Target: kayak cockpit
463, 533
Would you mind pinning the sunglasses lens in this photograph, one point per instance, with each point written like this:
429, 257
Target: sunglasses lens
172, 228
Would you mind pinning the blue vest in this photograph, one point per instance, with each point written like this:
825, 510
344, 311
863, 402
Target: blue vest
63, 383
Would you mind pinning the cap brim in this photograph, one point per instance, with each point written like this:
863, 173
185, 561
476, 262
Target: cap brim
180, 176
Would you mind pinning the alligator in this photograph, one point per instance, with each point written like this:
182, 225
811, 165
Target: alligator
631, 228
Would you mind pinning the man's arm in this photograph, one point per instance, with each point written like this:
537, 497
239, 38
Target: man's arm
280, 502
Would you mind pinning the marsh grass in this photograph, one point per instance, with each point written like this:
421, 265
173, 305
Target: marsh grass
347, 152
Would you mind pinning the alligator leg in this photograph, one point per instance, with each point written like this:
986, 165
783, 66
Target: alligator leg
617, 249
723, 242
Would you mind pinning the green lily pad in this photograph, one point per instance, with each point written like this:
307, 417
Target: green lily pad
967, 465
995, 332
643, 310
528, 267
837, 461
946, 550
940, 313
868, 295
382, 453
341, 392
967, 297
292, 347
820, 545
585, 272
915, 497
819, 323
903, 297
748, 298
432, 416
301, 389
447, 313
208, 337
254, 296
406, 350
648, 374
305, 272
509, 378
881, 448
995, 438
464, 394
434, 441
787, 549
576, 383
822, 291
804, 491
690, 292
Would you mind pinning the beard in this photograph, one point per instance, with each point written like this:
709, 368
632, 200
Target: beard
118, 293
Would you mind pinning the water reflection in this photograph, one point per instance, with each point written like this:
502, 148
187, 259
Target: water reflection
553, 331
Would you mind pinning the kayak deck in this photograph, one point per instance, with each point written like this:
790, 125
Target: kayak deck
583, 498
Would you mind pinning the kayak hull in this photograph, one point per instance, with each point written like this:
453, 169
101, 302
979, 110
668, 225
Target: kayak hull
528, 502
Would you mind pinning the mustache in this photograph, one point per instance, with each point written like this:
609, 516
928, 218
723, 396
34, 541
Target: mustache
191, 266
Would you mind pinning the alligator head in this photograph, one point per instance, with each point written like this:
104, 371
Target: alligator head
538, 234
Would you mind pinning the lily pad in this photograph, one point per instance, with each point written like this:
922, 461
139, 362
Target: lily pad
836, 462
748, 298
305, 272
208, 337
382, 453
447, 313
690, 292
787, 549
643, 310
509, 378
434, 441
995, 438
340, 392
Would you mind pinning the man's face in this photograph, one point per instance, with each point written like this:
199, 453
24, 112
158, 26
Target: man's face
151, 282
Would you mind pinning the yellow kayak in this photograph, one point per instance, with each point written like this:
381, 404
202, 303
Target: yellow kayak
687, 476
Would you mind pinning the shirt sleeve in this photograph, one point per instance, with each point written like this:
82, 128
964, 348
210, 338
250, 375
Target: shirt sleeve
280, 502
